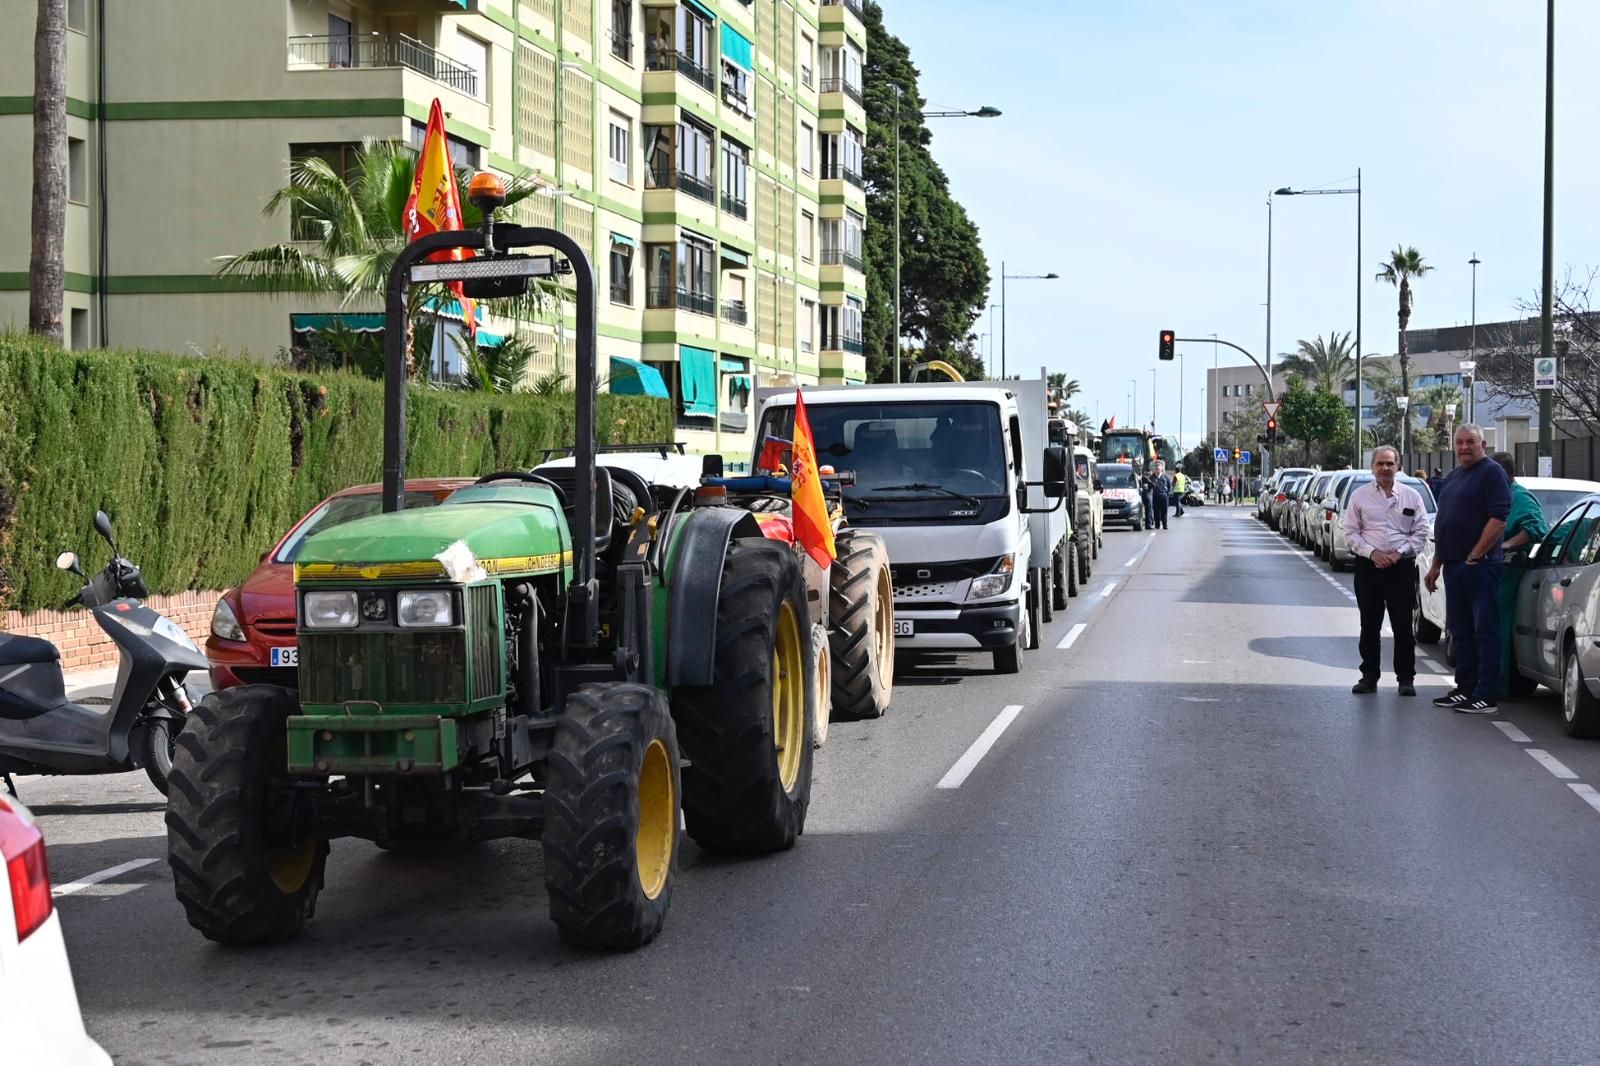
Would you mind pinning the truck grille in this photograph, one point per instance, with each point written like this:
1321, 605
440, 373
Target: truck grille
385, 668
483, 616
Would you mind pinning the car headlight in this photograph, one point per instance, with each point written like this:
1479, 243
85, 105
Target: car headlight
224, 623
994, 583
430, 608
330, 610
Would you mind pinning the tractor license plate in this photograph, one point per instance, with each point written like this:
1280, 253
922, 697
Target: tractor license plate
904, 627
285, 656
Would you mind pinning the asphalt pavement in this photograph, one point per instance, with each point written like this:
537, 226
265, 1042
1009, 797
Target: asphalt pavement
1174, 837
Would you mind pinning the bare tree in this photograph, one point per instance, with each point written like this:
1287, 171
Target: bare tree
47, 262
1506, 355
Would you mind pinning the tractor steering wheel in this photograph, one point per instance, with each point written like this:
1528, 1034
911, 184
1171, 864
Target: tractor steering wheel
529, 478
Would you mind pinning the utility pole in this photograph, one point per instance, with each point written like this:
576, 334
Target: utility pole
1547, 319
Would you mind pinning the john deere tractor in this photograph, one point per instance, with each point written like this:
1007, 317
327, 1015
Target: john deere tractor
570, 656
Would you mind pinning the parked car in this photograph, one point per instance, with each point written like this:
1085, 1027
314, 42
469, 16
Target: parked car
39, 1016
1288, 490
1272, 486
1339, 553
1310, 497
1555, 636
252, 627
1323, 510
1120, 490
1556, 495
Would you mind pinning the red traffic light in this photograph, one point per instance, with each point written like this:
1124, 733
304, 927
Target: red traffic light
1272, 425
1168, 340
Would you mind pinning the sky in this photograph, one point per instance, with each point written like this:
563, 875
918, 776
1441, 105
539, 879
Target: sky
1140, 138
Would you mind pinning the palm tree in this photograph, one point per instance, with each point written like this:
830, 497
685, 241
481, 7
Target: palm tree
1324, 364
355, 229
1067, 389
1403, 265
47, 262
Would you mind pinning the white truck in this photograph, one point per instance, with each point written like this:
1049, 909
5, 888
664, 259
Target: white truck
971, 500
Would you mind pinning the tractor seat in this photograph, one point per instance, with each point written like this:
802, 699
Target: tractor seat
604, 513
20, 651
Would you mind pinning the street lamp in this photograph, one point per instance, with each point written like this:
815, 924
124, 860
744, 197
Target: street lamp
1003, 305
1469, 368
1468, 365
1152, 398
1403, 402
982, 112
1356, 192
1450, 421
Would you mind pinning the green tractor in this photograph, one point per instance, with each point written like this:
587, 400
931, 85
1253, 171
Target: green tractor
577, 657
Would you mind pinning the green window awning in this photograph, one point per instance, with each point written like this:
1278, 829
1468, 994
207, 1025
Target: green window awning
732, 366
736, 48
701, 10
697, 380
622, 238
734, 255
311, 323
630, 377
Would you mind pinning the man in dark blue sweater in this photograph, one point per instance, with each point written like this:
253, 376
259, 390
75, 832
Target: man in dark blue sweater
1473, 504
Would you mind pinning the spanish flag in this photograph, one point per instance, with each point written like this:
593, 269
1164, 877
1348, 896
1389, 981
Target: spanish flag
435, 205
811, 526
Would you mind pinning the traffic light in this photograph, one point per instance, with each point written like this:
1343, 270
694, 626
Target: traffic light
1236, 453
1272, 431
1168, 340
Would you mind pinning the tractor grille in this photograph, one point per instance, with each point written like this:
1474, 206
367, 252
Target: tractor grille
388, 667
483, 618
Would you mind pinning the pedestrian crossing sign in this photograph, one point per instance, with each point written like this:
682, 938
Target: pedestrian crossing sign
1219, 454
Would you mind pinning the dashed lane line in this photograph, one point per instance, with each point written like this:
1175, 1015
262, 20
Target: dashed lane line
1072, 635
1515, 734
1587, 793
1107, 590
107, 874
1551, 763
980, 747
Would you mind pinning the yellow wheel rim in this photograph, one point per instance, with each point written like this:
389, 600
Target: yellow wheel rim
658, 820
289, 868
883, 627
788, 697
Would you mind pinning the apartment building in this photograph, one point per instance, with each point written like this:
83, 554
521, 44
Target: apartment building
707, 153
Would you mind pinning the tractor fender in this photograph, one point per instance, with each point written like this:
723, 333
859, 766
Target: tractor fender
694, 584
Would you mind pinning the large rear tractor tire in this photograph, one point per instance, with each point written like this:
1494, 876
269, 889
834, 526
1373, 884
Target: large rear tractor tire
611, 816
241, 872
861, 612
749, 735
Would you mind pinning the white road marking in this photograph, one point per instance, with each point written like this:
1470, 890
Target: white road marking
1551, 763
1590, 796
1200, 699
980, 747
95, 878
1107, 590
1514, 733
1072, 635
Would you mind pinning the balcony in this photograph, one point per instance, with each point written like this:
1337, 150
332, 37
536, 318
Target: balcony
840, 172
669, 178
657, 59
840, 85
852, 6
736, 312
840, 257
701, 303
621, 45
376, 50
736, 208
852, 345
735, 99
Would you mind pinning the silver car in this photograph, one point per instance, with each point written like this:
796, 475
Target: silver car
1323, 510
1555, 633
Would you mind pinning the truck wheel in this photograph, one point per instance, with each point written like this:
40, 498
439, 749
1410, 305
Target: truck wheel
1034, 610
1009, 660
1060, 593
1047, 588
1073, 586
822, 685
242, 873
748, 735
1084, 569
611, 816
1094, 546
861, 613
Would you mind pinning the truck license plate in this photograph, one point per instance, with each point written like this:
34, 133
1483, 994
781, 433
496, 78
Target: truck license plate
285, 656
904, 627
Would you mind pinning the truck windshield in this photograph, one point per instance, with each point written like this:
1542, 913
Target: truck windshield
893, 447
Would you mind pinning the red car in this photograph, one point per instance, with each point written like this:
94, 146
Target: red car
252, 628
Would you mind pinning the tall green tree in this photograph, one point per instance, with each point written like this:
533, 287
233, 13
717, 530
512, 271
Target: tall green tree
1403, 265
47, 259
1325, 364
1311, 416
944, 277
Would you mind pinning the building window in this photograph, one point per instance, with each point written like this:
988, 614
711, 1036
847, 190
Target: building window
341, 42
680, 39
621, 273
695, 174
77, 170
808, 325
736, 87
808, 140
808, 58
472, 53
682, 275
808, 236
622, 30
343, 159
78, 19
621, 148
80, 329
735, 178
1249, 390
660, 290
850, 325
463, 153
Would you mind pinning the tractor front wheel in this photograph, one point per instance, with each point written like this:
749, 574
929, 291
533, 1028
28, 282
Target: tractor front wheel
861, 612
749, 734
611, 816
241, 870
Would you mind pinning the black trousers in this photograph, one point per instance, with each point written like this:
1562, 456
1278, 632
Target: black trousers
1392, 589
1158, 510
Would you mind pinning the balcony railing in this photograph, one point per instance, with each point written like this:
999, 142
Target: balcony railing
840, 257
852, 6
663, 59
852, 345
735, 99
345, 51
840, 85
621, 45
702, 303
736, 208
668, 178
840, 172
736, 312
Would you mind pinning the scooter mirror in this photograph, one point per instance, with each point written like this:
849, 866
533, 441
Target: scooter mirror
68, 561
102, 526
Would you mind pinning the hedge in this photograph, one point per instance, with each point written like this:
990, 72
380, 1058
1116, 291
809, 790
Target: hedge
202, 463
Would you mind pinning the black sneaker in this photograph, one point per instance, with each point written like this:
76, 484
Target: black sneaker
1454, 698
1407, 689
1365, 687
1478, 707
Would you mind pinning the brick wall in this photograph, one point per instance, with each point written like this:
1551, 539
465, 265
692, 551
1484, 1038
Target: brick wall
85, 646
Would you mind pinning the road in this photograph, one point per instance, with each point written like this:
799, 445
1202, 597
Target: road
1187, 842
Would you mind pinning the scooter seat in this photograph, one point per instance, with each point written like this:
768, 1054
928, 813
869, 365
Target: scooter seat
18, 650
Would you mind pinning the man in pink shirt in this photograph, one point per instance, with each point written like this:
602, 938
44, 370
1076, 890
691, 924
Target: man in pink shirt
1386, 527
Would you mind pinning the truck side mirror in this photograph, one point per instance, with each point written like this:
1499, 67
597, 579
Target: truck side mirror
1099, 486
1055, 472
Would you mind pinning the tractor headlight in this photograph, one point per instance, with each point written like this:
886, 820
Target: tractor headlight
429, 608
994, 583
330, 610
